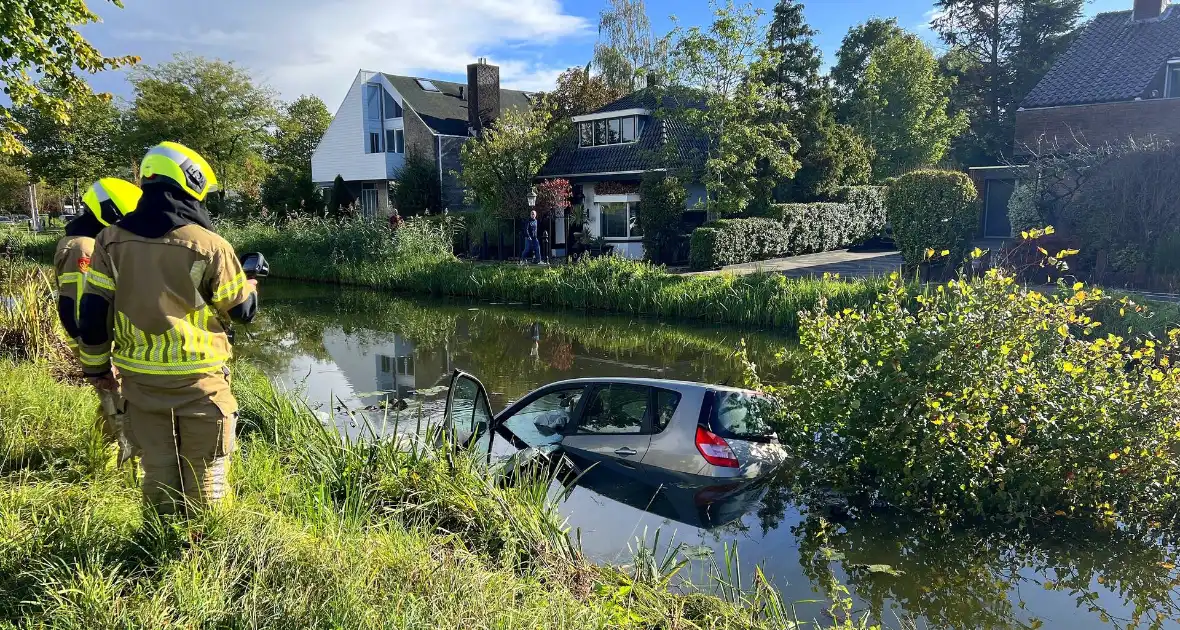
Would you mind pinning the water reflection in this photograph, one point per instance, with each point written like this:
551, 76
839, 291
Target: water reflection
366, 348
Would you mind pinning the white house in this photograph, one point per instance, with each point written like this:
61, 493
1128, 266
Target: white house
385, 116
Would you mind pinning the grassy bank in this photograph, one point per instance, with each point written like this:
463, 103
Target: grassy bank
359, 254
322, 533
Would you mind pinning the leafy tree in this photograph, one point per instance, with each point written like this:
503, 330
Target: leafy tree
627, 49
579, 92
14, 186
793, 77
748, 146
72, 156
553, 195
499, 168
999, 49
417, 190
340, 204
289, 187
39, 38
852, 59
806, 100
288, 193
298, 130
211, 106
664, 200
905, 117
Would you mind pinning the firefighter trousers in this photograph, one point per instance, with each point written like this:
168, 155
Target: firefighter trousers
184, 453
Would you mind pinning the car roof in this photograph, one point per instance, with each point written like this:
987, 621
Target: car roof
649, 382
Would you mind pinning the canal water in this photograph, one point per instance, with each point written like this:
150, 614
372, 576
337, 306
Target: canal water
351, 352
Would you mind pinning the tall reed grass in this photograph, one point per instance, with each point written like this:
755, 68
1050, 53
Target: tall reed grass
347, 253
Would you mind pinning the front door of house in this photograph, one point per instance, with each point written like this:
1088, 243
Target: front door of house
995, 208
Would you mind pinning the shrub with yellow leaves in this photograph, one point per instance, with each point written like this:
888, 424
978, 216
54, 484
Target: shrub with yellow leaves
984, 397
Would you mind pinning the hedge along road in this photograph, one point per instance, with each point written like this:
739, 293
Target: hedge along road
360, 347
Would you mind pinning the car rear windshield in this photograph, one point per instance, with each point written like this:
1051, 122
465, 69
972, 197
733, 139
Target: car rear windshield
743, 415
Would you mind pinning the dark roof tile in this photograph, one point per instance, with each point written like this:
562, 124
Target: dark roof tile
1113, 59
645, 154
444, 111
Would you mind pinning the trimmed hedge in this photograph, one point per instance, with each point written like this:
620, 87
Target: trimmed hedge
932, 209
791, 229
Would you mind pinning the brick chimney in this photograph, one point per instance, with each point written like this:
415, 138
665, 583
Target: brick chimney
1148, 9
483, 95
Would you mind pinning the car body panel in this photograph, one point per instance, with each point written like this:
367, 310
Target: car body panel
557, 421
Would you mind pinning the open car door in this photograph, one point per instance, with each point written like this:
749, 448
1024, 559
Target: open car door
467, 421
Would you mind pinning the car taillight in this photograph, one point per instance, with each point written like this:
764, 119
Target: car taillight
715, 450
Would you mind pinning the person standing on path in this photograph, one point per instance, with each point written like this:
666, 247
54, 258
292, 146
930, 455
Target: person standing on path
531, 244
161, 288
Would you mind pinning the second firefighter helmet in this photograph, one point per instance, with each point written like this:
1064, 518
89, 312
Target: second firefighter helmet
180, 165
110, 198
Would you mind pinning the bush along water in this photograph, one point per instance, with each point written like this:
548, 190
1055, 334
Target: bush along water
980, 397
791, 229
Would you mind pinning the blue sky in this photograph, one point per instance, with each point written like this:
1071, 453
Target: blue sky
316, 46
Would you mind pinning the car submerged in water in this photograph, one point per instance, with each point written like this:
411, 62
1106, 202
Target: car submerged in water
692, 432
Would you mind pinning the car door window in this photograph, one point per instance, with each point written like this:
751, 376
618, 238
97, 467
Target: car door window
616, 410
666, 403
543, 420
468, 416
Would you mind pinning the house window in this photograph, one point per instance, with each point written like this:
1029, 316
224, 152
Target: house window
392, 109
374, 142
1172, 83
620, 220
395, 141
629, 129
369, 199
586, 134
372, 101
614, 130
608, 131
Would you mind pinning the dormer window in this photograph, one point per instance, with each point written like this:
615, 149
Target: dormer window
595, 133
1172, 81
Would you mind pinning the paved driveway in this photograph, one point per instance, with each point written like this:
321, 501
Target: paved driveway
843, 262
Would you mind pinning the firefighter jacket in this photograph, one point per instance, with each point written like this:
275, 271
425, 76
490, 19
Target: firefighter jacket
167, 301
71, 260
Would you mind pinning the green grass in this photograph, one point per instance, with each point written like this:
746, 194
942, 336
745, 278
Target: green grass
349, 255
323, 533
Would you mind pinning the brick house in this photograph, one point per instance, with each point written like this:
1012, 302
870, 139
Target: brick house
386, 116
605, 156
1120, 79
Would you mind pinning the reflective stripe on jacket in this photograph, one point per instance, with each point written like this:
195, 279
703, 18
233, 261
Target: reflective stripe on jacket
169, 297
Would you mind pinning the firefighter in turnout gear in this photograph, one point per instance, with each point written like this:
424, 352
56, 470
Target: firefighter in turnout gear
160, 291
107, 201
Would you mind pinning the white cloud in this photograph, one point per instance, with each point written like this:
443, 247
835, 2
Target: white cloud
317, 46
929, 17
